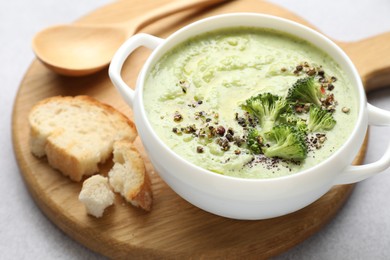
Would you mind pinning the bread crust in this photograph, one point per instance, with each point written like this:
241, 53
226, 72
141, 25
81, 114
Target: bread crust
77, 133
128, 176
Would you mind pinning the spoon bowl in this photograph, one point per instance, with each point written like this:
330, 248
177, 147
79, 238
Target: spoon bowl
78, 50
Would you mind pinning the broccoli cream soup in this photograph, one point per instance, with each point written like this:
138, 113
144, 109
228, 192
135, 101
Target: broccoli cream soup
250, 103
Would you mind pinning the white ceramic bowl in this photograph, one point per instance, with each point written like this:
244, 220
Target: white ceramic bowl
248, 198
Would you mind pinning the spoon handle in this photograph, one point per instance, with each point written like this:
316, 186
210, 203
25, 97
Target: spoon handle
168, 9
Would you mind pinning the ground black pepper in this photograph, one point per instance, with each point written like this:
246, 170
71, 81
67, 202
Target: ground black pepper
229, 137
177, 117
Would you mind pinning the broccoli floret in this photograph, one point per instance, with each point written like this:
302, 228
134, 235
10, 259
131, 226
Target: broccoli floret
305, 90
292, 120
320, 119
301, 125
254, 141
288, 143
266, 108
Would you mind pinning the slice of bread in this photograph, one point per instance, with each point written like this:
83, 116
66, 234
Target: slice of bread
77, 133
96, 195
128, 176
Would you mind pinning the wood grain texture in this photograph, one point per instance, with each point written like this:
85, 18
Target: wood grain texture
84, 49
174, 228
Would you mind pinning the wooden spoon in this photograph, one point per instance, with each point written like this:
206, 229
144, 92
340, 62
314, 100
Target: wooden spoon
77, 50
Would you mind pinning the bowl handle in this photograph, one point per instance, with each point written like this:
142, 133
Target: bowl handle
114, 71
356, 173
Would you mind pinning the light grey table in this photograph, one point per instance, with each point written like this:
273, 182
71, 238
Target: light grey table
361, 230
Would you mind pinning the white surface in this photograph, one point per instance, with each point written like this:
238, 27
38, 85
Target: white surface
361, 230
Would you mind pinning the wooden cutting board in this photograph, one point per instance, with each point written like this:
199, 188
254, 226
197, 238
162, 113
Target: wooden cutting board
174, 228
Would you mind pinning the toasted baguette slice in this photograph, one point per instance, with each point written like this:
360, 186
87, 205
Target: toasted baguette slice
128, 176
96, 195
76, 133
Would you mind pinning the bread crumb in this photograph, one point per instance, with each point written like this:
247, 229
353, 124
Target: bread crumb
96, 195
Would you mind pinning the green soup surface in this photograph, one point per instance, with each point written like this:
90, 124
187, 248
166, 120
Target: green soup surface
195, 98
